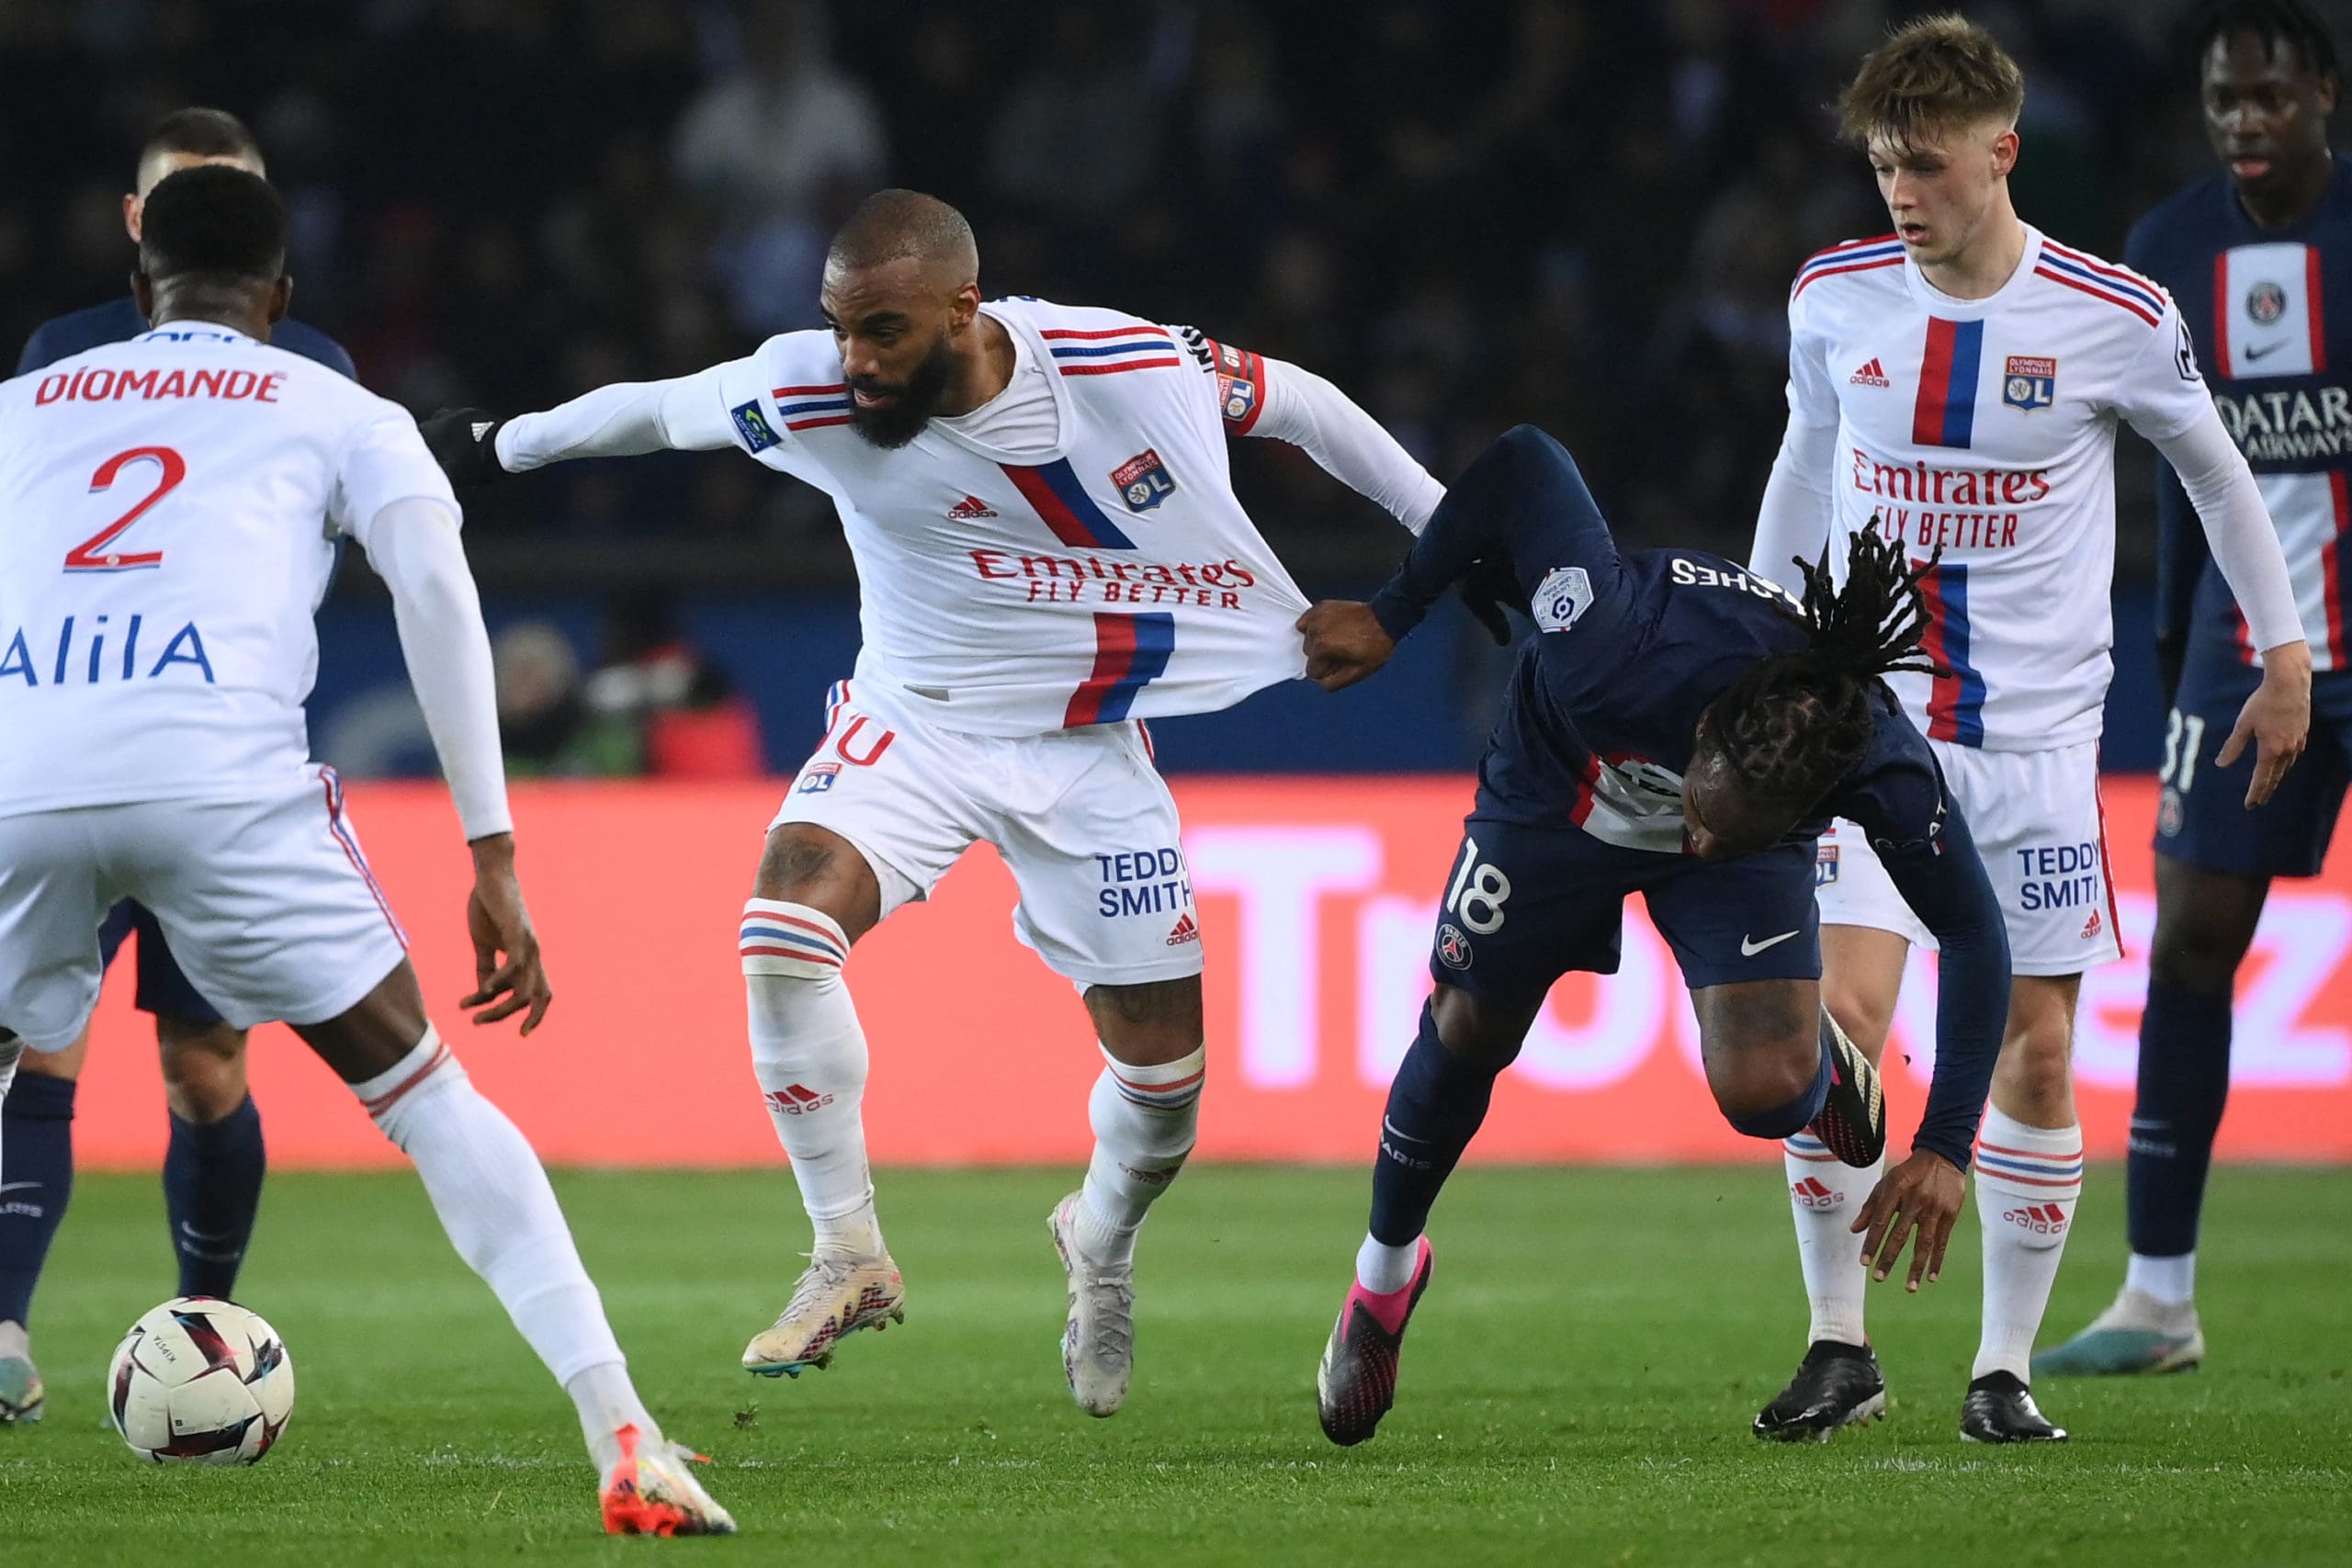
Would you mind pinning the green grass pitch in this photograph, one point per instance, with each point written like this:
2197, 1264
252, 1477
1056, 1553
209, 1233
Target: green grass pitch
1577, 1389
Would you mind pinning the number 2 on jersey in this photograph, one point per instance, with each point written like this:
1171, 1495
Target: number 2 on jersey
86, 556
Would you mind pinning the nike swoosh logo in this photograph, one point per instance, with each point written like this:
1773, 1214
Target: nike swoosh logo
2254, 351
16, 1186
1390, 1127
1749, 947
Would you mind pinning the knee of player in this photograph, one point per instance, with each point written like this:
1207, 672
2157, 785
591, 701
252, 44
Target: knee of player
2038, 1066
203, 1083
1479, 1029
2193, 953
1761, 1076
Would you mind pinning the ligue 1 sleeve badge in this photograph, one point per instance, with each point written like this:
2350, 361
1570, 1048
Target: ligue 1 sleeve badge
1564, 593
2030, 382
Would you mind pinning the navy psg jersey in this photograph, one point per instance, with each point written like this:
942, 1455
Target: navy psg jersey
118, 320
2272, 313
1604, 703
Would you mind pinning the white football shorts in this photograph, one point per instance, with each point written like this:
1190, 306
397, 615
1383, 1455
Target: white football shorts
2041, 833
1081, 817
267, 901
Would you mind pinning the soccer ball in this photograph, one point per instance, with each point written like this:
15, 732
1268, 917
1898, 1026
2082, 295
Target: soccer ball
200, 1381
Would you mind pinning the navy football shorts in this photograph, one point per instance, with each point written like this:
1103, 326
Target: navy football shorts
163, 989
2202, 818
1525, 904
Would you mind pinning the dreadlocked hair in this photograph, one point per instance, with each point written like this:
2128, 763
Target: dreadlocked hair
1795, 722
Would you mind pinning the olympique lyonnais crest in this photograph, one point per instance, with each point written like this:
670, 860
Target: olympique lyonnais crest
1144, 481
1825, 865
2030, 382
819, 778
2266, 302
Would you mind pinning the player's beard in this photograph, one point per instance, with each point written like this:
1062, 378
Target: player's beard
894, 424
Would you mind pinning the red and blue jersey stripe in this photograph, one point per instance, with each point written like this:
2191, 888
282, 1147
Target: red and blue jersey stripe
1945, 413
811, 408
1130, 652
1109, 350
2101, 281
1956, 698
1856, 255
1052, 488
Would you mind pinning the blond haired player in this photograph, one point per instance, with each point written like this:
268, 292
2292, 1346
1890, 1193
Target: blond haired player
1959, 383
1048, 551
173, 504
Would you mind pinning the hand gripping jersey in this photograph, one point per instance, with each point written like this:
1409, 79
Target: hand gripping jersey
2272, 313
1005, 594
172, 503
1987, 428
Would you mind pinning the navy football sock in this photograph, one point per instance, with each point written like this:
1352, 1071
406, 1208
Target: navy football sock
2183, 1082
36, 1183
211, 1191
1434, 1108
1786, 1121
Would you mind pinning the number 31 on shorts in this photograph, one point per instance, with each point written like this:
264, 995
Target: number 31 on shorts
1477, 892
2184, 737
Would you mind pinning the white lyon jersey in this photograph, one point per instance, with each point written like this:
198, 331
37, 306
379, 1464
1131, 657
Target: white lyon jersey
1007, 594
173, 504
1986, 428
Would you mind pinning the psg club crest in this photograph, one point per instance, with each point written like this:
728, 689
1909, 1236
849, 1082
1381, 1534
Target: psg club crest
2266, 302
1452, 947
1144, 481
1564, 593
2030, 382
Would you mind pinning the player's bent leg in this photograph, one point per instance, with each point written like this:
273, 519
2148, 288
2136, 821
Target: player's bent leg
214, 1163
2205, 923
1782, 1067
493, 1200
1837, 1384
35, 1184
2028, 1176
1436, 1103
1144, 1113
815, 894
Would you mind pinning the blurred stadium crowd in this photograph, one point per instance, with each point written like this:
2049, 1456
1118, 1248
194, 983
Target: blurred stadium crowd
1467, 212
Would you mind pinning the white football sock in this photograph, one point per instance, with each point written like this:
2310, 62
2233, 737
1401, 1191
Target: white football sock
494, 1201
607, 1401
1384, 1270
808, 1054
1144, 1120
2027, 1181
2172, 1281
1825, 1194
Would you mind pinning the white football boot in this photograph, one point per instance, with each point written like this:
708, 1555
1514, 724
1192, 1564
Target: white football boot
651, 1490
835, 1298
1099, 1340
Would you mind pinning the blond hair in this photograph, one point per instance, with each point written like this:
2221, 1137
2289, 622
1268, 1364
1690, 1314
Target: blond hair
1931, 76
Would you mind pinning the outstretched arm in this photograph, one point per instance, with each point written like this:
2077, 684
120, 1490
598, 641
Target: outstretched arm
1520, 514
1315, 416
627, 419
414, 544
